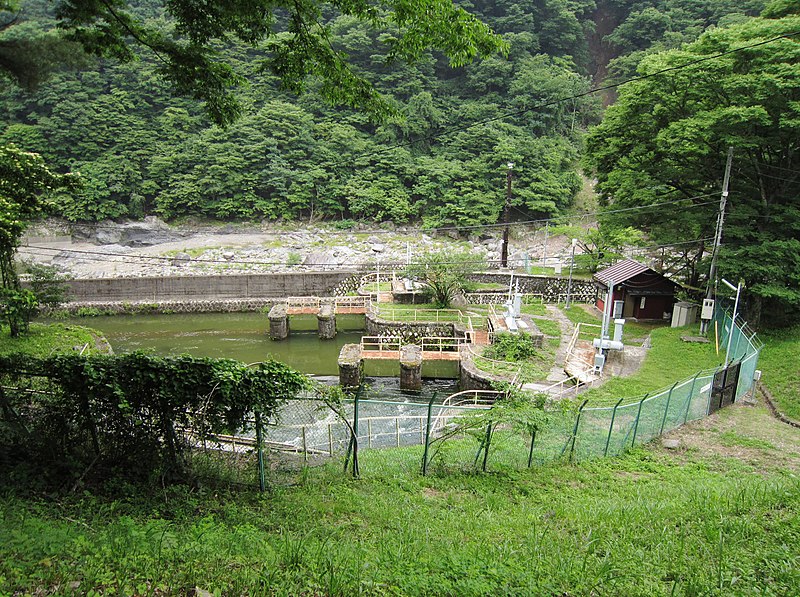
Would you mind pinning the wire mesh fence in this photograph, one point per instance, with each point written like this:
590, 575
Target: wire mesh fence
380, 437
391, 438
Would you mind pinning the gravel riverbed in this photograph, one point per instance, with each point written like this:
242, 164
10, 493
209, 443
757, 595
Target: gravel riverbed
154, 248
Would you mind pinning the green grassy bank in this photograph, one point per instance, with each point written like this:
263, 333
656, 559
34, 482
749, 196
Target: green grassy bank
720, 516
780, 364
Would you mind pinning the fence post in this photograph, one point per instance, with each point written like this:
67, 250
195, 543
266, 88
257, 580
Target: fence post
691, 397
739, 334
305, 445
638, 414
353, 445
427, 436
330, 440
530, 453
486, 445
575, 430
262, 484
666, 408
397, 429
611, 427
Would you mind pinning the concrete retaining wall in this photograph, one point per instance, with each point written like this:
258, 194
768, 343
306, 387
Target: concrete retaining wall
206, 288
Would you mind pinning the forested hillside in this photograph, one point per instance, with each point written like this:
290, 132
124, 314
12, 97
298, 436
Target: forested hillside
141, 150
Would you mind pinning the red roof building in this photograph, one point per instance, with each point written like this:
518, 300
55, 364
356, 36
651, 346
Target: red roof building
639, 292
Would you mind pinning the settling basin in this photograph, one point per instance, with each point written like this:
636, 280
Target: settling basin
244, 337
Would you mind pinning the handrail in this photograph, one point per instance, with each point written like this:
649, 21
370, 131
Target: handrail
426, 343
450, 404
317, 302
517, 373
574, 339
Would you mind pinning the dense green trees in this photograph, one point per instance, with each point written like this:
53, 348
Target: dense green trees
142, 151
25, 185
666, 139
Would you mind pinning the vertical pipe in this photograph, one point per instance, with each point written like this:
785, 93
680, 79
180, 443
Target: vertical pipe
262, 484
638, 414
666, 408
611, 426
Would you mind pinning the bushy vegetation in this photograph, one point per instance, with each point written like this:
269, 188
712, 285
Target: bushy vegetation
511, 347
127, 416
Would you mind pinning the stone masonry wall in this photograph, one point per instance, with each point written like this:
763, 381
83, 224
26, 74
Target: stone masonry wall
553, 289
408, 330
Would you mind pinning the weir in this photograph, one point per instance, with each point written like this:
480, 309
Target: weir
325, 308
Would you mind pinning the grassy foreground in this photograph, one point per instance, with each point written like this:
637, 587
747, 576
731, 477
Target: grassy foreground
781, 366
719, 516
46, 339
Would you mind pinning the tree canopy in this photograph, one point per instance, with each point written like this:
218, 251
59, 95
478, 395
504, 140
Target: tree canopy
293, 40
666, 139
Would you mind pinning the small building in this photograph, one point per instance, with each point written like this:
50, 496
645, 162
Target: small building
639, 292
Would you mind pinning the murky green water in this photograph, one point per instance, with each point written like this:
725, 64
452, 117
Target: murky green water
243, 336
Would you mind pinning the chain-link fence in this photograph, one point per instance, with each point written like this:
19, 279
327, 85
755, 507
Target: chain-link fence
380, 437
395, 438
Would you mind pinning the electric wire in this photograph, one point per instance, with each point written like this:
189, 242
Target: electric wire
134, 258
552, 220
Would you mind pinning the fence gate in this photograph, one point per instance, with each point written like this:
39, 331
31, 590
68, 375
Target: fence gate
723, 392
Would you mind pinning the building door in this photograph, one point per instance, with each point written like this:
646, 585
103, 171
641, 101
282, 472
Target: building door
630, 301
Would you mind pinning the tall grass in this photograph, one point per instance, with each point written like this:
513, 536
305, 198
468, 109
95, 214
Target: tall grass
643, 524
781, 368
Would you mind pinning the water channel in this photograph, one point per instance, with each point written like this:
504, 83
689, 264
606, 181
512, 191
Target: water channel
243, 336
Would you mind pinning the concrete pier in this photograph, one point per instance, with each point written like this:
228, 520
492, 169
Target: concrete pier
326, 322
351, 366
411, 367
278, 322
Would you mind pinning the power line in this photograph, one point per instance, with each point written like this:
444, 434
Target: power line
789, 170
133, 258
553, 219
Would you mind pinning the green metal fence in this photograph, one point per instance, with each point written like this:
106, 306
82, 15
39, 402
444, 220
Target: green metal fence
430, 437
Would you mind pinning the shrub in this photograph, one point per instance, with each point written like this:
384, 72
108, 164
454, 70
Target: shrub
511, 347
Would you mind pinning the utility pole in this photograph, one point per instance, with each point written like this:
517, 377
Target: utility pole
712, 274
544, 252
504, 249
571, 263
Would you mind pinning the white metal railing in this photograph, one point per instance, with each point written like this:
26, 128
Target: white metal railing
315, 302
419, 315
381, 344
499, 297
576, 336
426, 343
442, 343
515, 368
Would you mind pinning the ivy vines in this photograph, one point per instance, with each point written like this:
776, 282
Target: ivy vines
131, 415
